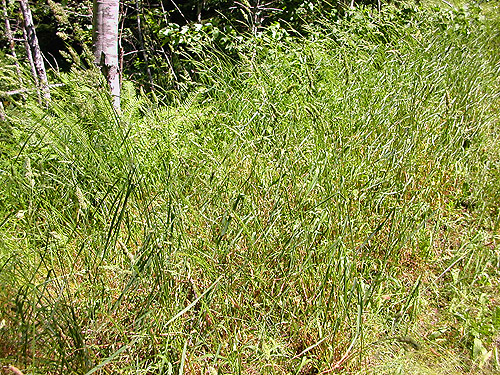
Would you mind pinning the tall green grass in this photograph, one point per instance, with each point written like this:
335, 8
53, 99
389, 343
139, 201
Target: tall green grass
327, 203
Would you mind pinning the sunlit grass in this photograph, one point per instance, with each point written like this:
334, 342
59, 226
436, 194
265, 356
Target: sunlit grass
328, 203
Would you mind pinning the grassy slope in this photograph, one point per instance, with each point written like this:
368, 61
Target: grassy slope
327, 204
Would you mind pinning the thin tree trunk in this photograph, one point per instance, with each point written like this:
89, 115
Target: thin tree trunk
105, 38
29, 55
199, 8
123, 16
34, 48
2, 112
10, 40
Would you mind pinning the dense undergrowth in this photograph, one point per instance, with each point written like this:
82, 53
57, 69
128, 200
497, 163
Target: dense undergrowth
318, 205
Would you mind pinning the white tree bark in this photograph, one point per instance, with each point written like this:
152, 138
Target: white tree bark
105, 38
32, 64
34, 48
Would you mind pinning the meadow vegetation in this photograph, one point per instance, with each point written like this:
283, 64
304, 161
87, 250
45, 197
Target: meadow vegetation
325, 203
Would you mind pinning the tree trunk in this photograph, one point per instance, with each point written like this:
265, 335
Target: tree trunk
200, 4
34, 49
2, 113
10, 40
105, 40
32, 65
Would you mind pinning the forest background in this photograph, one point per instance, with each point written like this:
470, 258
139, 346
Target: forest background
156, 36
288, 188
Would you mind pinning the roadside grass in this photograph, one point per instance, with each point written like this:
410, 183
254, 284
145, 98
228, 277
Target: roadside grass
322, 204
